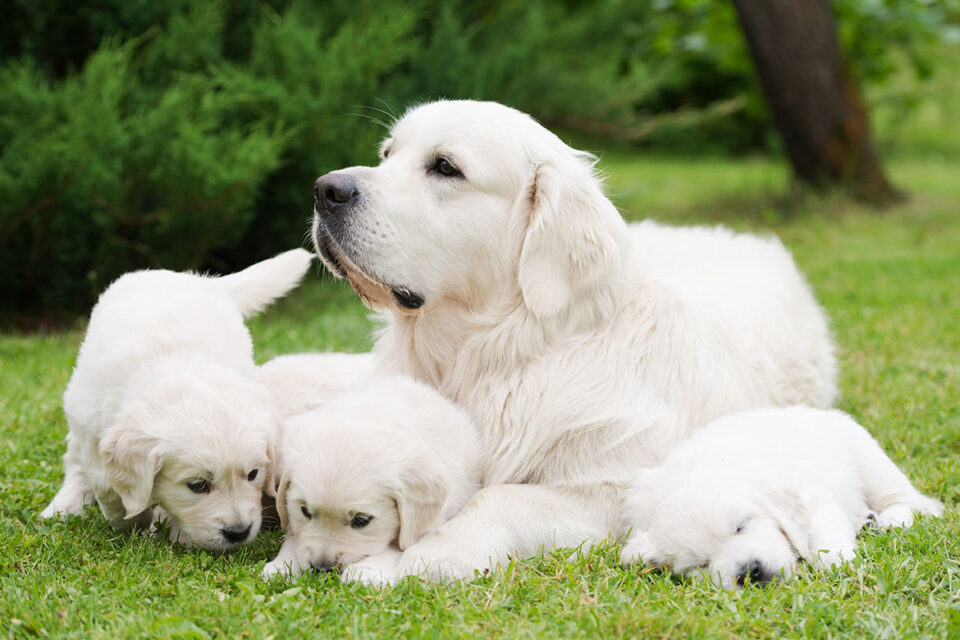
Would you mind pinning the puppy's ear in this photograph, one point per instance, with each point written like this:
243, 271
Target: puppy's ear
789, 510
282, 501
272, 471
420, 498
570, 238
132, 460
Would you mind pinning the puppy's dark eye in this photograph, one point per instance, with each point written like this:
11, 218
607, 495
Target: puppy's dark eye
360, 520
444, 168
252, 475
306, 512
199, 485
740, 527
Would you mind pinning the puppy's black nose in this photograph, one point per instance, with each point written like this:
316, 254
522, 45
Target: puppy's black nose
334, 191
755, 571
235, 533
324, 566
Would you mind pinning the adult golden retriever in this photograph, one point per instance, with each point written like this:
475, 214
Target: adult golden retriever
582, 347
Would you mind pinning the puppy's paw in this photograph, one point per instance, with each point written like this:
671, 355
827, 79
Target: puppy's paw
277, 567
437, 566
71, 503
61, 509
902, 515
377, 570
829, 558
636, 549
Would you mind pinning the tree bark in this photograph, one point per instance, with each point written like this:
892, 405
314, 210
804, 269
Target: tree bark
813, 97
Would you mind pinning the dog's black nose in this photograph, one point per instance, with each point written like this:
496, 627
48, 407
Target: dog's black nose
323, 566
334, 191
236, 533
755, 571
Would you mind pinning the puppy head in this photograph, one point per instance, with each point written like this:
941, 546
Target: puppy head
472, 201
354, 484
714, 527
196, 439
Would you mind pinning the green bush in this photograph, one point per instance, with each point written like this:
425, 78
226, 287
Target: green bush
184, 134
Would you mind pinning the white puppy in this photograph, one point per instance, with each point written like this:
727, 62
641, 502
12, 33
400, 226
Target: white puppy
750, 494
164, 407
300, 382
583, 348
369, 473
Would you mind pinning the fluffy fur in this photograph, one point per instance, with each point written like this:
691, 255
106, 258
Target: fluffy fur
164, 395
369, 473
749, 495
583, 348
300, 382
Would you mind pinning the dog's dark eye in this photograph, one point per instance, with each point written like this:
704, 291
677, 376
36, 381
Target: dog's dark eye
741, 526
444, 168
360, 520
252, 475
200, 485
305, 512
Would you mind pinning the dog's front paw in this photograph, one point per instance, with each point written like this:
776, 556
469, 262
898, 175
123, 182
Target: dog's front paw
441, 564
902, 515
378, 570
277, 567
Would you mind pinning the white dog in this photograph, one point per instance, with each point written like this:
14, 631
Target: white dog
582, 348
750, 494
369, 473
300, 382
164, 407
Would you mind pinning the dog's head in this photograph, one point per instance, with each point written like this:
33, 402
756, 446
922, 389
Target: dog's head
198, 440
728, 530
472, 201
354, 482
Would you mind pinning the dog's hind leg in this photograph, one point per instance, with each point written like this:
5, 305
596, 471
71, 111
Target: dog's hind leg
75, 493
514, 521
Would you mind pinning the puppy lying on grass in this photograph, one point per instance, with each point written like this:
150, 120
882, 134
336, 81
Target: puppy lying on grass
749, 495
368, 474
164, 407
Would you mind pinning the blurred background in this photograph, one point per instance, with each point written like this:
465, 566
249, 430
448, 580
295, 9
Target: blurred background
187, 134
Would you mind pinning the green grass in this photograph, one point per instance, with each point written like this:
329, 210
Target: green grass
890, 282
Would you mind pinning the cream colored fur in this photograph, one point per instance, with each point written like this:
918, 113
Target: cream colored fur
164, 393
582, 347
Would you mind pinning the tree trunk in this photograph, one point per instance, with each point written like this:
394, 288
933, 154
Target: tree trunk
813, 97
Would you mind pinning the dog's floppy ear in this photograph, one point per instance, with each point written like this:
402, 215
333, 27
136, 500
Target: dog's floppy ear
570, 237
282, 501
420, 498
789, 510
132, 460
272, 471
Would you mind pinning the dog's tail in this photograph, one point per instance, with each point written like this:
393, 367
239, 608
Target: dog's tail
260, 284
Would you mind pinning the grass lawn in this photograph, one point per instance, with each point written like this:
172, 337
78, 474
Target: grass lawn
890, 282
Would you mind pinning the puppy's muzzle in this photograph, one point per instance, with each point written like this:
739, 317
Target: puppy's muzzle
236, 534
755, 572
324, 567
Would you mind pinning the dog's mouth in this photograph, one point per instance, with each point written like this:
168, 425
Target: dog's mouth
373, 292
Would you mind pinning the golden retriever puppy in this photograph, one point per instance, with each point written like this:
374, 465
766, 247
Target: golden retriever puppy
164, 407
750, 495
369, 473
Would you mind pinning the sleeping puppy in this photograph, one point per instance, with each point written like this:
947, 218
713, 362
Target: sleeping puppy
369, 473
164, 407
749, 495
